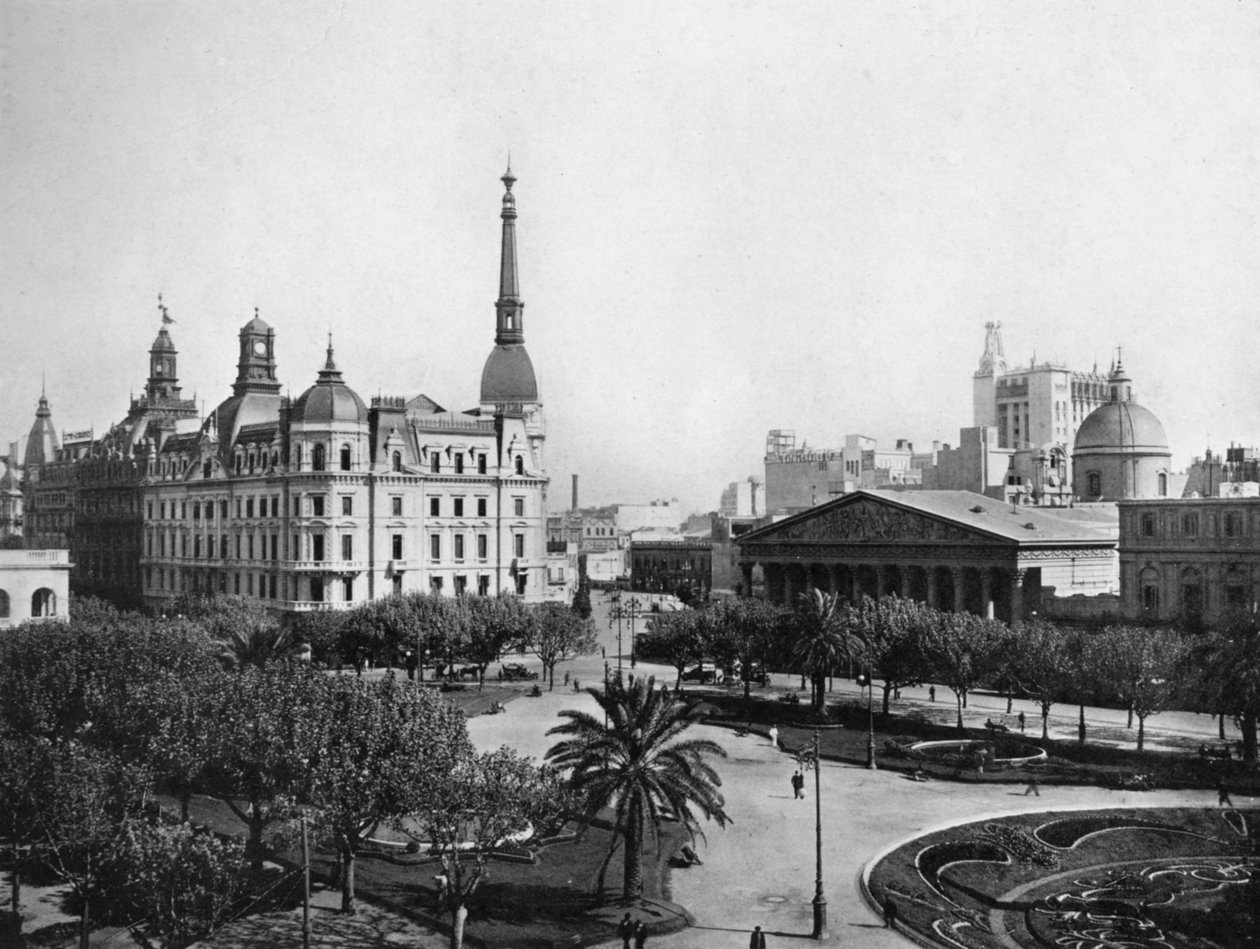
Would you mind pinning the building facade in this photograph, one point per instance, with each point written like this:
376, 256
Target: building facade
324, 502
34, 585
668, 566
1121, 451
1193, 561
952, 550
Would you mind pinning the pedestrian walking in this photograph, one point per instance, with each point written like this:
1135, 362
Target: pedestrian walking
640, 934
625, 929
757, 940
1222, 796
1021, 723
411, 664
798, 785
890, 912
931, 693
774, 736
1033, 787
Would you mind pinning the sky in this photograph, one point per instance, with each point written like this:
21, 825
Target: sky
734, 216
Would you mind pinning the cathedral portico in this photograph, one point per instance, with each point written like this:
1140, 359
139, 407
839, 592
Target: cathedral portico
953, 550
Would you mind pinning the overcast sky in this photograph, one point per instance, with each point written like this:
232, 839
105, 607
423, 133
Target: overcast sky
733, 216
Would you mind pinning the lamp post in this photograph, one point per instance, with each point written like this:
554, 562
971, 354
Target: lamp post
634, 607
864, 679
616, 612
810, 759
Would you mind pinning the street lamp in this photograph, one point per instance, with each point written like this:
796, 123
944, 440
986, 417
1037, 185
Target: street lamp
616, 612
634, 606
424, 658
811, 759
864, 679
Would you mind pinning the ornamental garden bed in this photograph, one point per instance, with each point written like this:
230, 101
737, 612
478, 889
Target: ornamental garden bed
1187, 877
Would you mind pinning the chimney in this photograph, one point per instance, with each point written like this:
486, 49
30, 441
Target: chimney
575, 494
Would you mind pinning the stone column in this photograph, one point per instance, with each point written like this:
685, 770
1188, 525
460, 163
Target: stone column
881, 580
787, 585
1017, 595
959, 591
833, 579
746, 571
905, 581
855, 586
933, 597
986, 593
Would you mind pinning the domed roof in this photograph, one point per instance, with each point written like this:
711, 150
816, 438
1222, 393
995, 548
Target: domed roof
248, 408
1121, 425
163, 342
508, 376
329, 399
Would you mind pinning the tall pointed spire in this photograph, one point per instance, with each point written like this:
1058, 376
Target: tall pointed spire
509, 326
330, 372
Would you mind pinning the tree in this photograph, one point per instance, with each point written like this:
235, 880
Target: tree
890, 630
640, 765
556, 634
380, 749
678, 638
1142, 665
267, 728
246, 634
582, 597
823, 641
474, 807
494, 623
86, 797
182, 882
745, 630
1040, 662
23, 761
962, 650
1229, 673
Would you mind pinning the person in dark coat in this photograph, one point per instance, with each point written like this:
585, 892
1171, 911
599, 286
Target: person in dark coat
757, 940
640, 934
798, 785
1222, 796
1021, 723
890, 913
625, 929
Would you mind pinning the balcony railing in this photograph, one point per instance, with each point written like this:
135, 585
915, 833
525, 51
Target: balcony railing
315, 606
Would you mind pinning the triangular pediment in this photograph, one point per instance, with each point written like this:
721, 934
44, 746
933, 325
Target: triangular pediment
863, 519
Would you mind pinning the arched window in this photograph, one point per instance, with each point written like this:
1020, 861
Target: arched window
345, 457
1163, 484
1149, 584
317, 458
1191, 593
297, 457
4, 605
520, 465
397, 461
43, 602
1094, 480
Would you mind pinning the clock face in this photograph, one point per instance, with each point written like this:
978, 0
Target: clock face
260, 348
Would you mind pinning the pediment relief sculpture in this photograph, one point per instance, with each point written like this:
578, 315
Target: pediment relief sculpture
867, 521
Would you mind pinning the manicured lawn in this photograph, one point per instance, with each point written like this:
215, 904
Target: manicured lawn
1189, 875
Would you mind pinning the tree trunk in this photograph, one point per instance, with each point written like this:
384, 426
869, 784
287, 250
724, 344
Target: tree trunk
1045, 723
457, 925
1141, 729
184, 800
959, 698
348, 907
1080, 726
1248, 726
15, 891
1220, 727
1130, 725
632, 873
551, 677
887, 693
84, 930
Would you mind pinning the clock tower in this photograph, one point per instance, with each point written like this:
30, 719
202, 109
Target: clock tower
256, 370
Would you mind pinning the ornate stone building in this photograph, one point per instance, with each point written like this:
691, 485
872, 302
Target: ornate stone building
325, 502
1121, 450
954, 550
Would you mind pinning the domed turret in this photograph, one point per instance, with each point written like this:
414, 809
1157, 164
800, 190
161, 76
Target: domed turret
508, 375
42, 443
329, 399
1121, 450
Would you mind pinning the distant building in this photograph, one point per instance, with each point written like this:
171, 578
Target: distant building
743, 499
34, 585
1121, 450
592, 531
800, 478
11, 520
1190, 560
659, 515
1234, 474
668, 566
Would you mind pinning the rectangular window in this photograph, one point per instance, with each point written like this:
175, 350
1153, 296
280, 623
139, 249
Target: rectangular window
347, 505
459, 507
317, 546
435, 547
183, 545
249, 584
435, 507
461, 584
317, 589
482, 544
272, 584
435, 585
223, 509
249, 507
210, 547
459, 463
347, 547
196, 510
236, 584
522, 581
518, 507
251, 546
317, 505
1233, 528
197, 547
1190, 525
435, 463
481, 507
397, 546
183, 510
398, 584
163, 510
1148, 525
348, 589
483, 584
295, 552
459, 546
395, 506
223, 546
518, 545
481, 464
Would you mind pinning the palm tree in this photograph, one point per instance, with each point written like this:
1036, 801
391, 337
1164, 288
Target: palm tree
824, 640
637, 764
